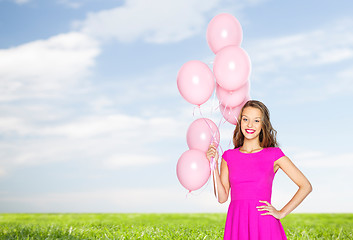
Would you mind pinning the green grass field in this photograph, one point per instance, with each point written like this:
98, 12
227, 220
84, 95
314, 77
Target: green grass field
160, 226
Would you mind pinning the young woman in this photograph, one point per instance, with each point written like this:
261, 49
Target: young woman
247, 173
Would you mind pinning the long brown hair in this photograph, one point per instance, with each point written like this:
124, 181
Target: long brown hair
267, 135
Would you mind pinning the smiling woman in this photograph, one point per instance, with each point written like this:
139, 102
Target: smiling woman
248, 171
255, 123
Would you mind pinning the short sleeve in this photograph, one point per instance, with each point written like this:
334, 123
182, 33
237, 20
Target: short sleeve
225, 156
277, 153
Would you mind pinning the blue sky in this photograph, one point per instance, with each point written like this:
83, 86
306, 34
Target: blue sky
91, 119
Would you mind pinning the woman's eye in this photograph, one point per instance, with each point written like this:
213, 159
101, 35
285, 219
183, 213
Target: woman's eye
257, 120
244, 119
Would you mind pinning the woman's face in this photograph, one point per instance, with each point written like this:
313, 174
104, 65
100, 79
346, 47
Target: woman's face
251, 123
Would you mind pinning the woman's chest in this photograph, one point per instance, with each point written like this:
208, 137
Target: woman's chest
249, 169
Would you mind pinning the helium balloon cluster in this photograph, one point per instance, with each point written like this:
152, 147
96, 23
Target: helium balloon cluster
196, 83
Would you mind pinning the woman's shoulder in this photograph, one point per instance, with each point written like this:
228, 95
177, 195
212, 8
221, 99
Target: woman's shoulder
232, 150
229, 152
275, 151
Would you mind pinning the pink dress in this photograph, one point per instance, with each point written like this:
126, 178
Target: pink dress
251, 176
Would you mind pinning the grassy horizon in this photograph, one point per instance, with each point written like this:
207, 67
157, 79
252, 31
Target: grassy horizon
160, 226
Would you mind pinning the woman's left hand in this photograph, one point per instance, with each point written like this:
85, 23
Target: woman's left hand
270, 210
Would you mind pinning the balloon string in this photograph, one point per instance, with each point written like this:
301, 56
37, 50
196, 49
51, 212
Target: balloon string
220, 121
193, 112
189, 192
213, 133
213, 102
213, 137
213, 164
213, 173
230, 140
224, 110
215, 183
225, 107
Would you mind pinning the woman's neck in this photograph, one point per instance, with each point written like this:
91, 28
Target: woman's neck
251, 145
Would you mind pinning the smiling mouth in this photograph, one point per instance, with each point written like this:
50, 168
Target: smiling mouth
249, 131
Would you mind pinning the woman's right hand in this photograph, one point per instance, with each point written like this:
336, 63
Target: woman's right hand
212, 153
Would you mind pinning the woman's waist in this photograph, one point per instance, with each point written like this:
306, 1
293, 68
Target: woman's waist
250, 191
252, 201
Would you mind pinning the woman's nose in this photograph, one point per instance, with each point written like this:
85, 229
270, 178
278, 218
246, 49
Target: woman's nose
249, 124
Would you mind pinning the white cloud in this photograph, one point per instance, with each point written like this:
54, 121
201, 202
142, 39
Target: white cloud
311, 66
329, 45
323, 160
20, 2
329, 175
323, 199
111, 139
70, 3
335, 55
126, 126
151, 199
143, 87
166, 199
342, 83
100, 103
43, 68
12, 124
156, 21
22, 152
2, 172
93, 125
126, 160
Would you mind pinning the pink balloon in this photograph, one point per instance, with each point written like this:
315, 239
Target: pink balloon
232, 114
231, 67
232, 98
195, 82
222, 31
193, 169
201, 133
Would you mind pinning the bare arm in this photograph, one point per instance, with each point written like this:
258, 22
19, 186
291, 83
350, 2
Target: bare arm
299, 179
220, 179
